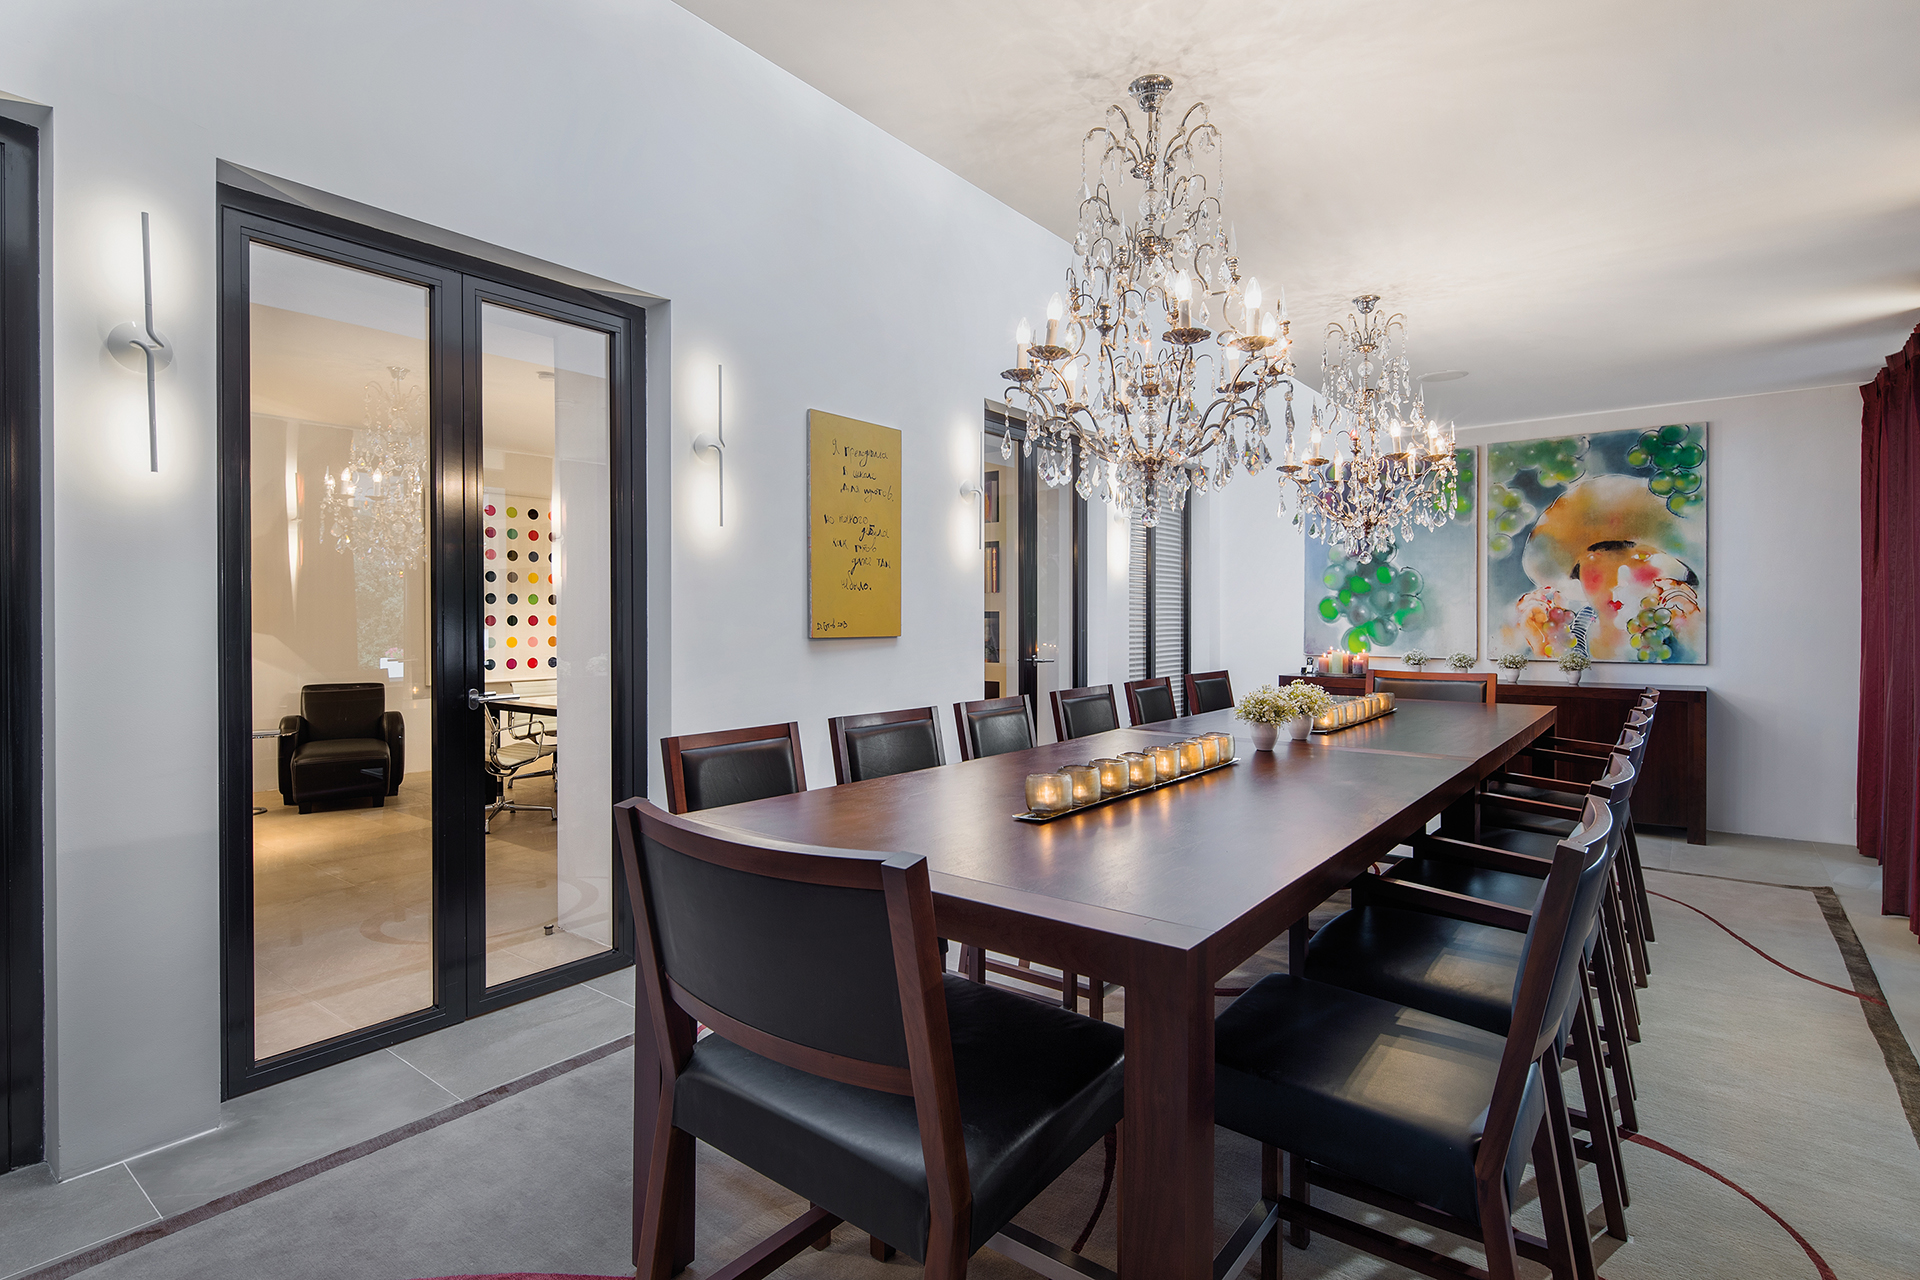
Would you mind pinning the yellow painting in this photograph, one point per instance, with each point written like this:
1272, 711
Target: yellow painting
853, 527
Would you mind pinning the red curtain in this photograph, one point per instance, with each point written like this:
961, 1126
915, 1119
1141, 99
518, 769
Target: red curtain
1888, 823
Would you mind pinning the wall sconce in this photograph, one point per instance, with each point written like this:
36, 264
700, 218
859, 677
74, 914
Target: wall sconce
154, 351
707, 441
971, 490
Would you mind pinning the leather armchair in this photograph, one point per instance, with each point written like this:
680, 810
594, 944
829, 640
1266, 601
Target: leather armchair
344, 745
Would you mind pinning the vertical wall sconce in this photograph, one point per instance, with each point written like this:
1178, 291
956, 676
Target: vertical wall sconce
157, 353
717, 443
971, 490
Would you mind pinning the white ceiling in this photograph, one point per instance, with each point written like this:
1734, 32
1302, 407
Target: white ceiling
1586, 206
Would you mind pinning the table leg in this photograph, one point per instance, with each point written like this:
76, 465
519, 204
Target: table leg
1166, 1176
646, 1107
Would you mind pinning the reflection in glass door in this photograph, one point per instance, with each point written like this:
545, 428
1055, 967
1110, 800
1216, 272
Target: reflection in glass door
547, 514
343, 869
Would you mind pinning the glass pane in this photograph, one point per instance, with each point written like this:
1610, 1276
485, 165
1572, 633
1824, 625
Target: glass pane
343, 731
1000, 513
1053, 654
545, 398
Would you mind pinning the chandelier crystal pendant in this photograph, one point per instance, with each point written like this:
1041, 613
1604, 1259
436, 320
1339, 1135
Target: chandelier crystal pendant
373, 508
1153, 373
1376, 466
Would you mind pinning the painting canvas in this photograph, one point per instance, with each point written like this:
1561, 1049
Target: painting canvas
1598, 544
1422, 595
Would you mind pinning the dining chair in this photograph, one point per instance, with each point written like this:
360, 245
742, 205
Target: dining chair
993, 726
880, 744
921, 1108
1507, 867
1079, 712
1150, 700
1208, 691
732, 766
1436, 686
1412, 1112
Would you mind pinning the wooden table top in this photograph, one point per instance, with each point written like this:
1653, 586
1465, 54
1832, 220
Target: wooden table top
1175, 867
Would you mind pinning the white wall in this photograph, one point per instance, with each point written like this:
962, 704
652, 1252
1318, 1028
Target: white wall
822, 261
1783, 564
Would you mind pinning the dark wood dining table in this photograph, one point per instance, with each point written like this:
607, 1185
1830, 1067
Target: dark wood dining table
1163, 893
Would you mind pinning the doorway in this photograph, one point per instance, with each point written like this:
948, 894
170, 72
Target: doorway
1034, 588
22, 897
430, 657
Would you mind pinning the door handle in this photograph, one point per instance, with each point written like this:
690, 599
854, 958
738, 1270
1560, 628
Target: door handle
475, 698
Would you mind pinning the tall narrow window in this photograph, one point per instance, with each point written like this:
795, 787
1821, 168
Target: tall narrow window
1157, 595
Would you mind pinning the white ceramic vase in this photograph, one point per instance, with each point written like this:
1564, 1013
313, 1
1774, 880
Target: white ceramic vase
1573, 677
1300, 728
1510, 675
1264, 736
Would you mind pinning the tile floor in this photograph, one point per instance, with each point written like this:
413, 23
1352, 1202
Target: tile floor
280, 1128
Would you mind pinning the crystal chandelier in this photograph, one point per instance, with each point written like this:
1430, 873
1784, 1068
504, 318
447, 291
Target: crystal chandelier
1157, 363
373, 507
1387, 466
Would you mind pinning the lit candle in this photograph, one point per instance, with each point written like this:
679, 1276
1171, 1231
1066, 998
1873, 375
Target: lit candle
1055, 309
1166, 764
1022, 339
1139, 768
1225, 742
1046, 792
1209, 750
1085, 780
1192, 756
1113, 775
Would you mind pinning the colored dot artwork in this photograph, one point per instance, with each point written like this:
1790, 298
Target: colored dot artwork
514, 525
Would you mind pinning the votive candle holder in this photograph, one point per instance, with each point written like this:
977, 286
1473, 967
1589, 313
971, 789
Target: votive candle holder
1048, 792
1209, 749
1139, 768
1113, 775
1085, 781
1166, 763
1224, 743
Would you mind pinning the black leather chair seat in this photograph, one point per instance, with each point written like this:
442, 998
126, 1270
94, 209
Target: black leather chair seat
737, 772
340, 768
1379, 1092
1452, 968
1037, 1086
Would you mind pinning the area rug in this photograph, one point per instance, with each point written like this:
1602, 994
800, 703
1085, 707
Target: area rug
1779, 1104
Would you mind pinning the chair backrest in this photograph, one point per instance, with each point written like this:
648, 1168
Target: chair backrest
718, 923
1150, 700
732, 766
343, 710
1079, 712
880, 744
1208, 691
993, 726
1549, 978
1436, 686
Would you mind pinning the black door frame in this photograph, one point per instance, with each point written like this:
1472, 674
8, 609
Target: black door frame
1002, 421
22, 852
457, 283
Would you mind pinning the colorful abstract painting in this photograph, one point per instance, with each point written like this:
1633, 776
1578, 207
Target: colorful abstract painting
1599, 544
1422, 595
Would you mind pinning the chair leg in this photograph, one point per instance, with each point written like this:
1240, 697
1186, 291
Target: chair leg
1559, 1230
1297, 937
1603, 1138
1298, 1188
880, 1249
1096, 999
1613, 1040
1614, 933
1069, 991
1496, 1230
1567, 1169
1640, 885
1270, 1263
947, 1250
669, 1179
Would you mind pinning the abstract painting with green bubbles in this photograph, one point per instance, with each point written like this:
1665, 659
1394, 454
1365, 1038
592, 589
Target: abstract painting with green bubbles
1422, 595
1598, 544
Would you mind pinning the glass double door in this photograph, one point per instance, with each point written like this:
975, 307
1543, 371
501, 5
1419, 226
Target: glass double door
1028, 552
430, 650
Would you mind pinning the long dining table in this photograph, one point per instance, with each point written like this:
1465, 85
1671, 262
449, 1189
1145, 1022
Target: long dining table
1164, 893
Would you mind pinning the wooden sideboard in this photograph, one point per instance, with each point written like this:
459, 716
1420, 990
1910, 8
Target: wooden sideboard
1672, 792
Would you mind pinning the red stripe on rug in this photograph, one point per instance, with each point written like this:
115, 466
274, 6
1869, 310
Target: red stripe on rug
1845, 991
1819, 1263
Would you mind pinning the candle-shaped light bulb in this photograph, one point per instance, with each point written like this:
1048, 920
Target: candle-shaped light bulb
1055, 309
1283, 302
1022, 339
1252, 296
1268, 325
1068, 372
1182, 286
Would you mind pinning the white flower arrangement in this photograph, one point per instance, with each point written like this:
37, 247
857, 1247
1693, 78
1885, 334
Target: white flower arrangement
1574, 660
1513, 661
1269, 705
1461, 661
1415, 659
